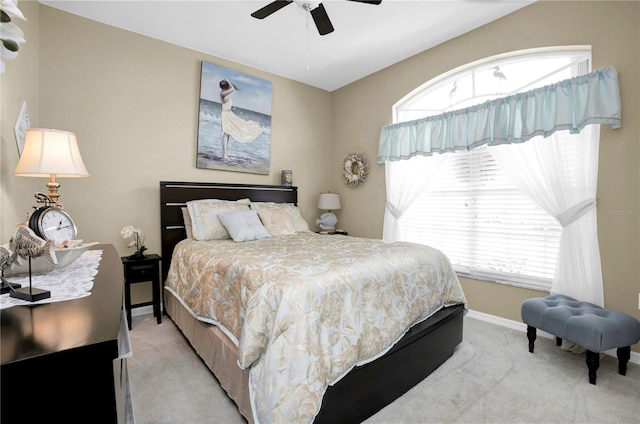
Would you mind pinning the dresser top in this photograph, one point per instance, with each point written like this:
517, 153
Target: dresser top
33, 330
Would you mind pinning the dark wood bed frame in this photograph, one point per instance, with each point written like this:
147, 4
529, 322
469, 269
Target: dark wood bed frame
366, 389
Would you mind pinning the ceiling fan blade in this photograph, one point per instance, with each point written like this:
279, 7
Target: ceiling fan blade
270, 8
376, 2
320, 17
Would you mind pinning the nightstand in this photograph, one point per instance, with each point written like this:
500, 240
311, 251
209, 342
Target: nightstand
138, 271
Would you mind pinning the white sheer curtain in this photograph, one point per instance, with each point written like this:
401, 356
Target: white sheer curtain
560, 174
569, 106
404, 181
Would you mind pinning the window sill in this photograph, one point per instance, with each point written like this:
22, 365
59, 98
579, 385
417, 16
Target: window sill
496, 280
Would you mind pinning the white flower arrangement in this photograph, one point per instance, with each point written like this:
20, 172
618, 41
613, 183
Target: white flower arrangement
11, 35
137, 242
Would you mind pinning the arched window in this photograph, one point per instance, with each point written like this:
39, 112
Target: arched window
472, 209
492, 78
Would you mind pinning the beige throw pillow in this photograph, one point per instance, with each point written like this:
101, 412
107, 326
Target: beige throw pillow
277, 221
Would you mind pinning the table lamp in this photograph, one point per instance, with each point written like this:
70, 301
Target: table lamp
52, 154
328, 202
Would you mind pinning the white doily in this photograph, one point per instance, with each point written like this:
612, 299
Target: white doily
71, 282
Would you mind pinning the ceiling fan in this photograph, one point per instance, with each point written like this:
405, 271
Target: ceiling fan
315, 8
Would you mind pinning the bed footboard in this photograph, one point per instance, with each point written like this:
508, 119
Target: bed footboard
369, 388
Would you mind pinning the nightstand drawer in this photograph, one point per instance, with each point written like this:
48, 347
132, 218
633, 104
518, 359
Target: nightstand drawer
142, 272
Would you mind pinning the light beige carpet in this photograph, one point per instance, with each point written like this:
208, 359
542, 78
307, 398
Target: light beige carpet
491, 378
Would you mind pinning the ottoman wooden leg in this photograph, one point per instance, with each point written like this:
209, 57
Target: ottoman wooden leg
593, 363
624, 353
531, 335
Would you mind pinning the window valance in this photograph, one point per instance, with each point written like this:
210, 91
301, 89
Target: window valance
570, 104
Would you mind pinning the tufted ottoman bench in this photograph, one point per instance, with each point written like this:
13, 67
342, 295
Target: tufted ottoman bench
594, 328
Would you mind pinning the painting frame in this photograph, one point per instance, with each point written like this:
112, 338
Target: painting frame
21, 127
234, 121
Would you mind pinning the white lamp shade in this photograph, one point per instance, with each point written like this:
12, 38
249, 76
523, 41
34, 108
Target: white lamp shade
329, 201
50, 152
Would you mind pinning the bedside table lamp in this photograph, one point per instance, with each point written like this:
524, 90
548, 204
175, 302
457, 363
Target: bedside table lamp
328, 202
50, 154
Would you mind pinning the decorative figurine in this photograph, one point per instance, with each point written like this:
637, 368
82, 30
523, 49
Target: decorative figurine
29, 245
7, 258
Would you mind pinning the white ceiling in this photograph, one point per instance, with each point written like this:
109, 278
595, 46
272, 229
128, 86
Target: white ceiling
367, 37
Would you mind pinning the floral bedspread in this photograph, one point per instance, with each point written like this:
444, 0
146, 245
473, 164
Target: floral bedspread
304, 309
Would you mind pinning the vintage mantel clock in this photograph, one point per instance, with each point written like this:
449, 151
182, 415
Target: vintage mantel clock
51, 222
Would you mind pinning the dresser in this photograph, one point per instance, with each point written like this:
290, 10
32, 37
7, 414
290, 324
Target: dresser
67, 361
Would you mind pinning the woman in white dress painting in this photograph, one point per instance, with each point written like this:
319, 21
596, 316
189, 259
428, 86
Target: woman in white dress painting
241, 130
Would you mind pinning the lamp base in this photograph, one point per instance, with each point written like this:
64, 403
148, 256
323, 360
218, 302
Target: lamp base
30, 294
327, 221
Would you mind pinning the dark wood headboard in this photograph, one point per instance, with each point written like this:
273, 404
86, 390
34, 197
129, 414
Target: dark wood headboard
174, 196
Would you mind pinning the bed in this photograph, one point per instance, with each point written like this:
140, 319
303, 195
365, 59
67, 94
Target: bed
327, 373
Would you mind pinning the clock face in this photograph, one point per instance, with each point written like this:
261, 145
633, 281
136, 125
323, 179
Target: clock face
55, 224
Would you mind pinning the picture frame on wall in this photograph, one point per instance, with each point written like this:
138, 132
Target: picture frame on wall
234, 122
21, 126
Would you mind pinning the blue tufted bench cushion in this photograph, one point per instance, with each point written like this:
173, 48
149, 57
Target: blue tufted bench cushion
583, 323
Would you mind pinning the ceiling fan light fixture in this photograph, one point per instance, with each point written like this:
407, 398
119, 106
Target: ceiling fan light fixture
307, 5
314, 7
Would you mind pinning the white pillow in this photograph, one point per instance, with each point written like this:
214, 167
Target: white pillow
243, 225
204, 217
299, 224
188, 228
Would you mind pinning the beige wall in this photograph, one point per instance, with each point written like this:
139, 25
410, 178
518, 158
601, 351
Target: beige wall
613, 30
133, 103
19, 83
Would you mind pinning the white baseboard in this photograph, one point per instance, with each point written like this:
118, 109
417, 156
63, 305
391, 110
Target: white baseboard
520, 326
143, 310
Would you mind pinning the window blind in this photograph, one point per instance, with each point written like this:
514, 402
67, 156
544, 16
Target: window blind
483, 223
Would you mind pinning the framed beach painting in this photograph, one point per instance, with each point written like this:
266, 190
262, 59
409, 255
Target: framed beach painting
234, 124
